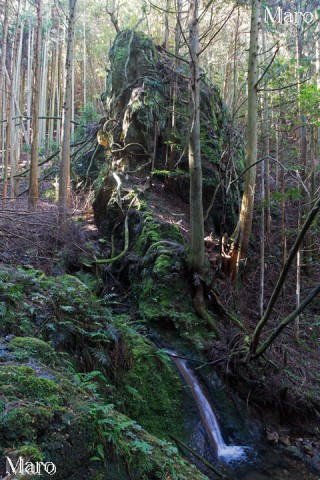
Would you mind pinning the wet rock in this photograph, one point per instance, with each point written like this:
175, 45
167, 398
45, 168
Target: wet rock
308, 449
295, 451
272, 436
285, 441
8, 338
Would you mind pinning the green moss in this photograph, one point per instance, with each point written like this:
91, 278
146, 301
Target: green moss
94, 283
162, 264
154, 232
48, 413
146, 456
161, 290
21, 381
143, 54
26, 348
150, 390
31, 453
25, 423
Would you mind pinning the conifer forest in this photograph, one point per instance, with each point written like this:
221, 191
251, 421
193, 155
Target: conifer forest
159, 239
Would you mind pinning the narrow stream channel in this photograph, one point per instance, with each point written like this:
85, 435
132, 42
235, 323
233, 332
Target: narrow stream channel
209, 420
260, 462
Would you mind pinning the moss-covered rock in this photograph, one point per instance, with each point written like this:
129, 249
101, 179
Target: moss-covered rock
132, 57
49, 412
28, 348
63, 421
60, 309
161, 289
139, 84
37, 400
147, 387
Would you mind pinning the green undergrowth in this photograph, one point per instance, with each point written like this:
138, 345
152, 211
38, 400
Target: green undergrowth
162, 291
64, 420
77, 382
148, 388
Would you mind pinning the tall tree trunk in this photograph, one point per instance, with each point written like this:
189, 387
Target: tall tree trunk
3, 89
43, 91
306, 247
277, 151
266, 145
243, 230
175, 87
196, 249
195, 169
9, 154
64, 178
235, 69
3, 128
8, 147
264, 183
298, 276
318, 75
33, 187
29, 82
166, 26
15, 99
84, 60
4, 50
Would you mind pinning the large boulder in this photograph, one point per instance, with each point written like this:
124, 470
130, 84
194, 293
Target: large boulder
138, 103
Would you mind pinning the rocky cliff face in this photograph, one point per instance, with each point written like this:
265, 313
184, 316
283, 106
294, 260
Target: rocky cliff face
143, 89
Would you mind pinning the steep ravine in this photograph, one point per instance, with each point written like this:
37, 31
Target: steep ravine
85, 380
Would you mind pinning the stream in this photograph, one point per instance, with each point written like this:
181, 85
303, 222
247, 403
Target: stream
240, 462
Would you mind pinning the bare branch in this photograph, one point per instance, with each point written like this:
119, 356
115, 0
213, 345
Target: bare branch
218, 31
271, 62
173, 55
276, 332
278, 288
283, 88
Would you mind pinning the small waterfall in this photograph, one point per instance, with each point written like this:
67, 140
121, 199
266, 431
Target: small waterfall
226, 452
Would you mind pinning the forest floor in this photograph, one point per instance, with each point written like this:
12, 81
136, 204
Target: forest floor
284, 386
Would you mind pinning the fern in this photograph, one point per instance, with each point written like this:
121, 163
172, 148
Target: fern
101, 356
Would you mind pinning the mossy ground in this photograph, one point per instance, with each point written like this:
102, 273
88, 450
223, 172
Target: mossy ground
50, 411
148, 388
162, 292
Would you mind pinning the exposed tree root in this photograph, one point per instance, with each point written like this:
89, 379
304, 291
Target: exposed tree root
199, 457
124, 251
202, 312
225, 312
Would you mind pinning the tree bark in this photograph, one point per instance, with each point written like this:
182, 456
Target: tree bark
243, 230
166, 26
29, 82
175, 86
4, 50
64, 178
9, 154
3, 95
195, 169
33, 187
196, 249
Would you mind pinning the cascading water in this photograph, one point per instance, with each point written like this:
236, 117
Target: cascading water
263, 462
226, 452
